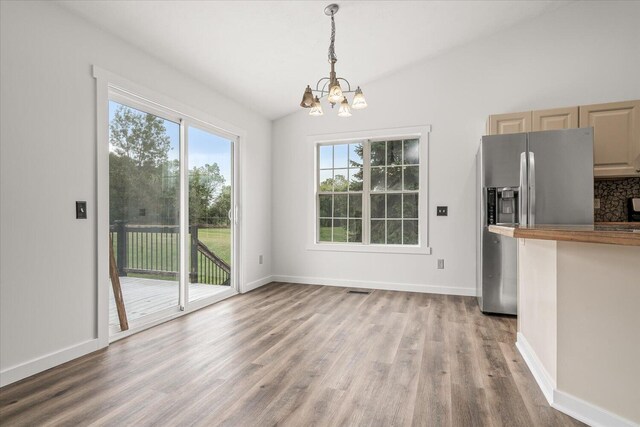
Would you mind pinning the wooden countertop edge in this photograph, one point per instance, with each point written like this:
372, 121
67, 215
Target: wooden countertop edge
583, 236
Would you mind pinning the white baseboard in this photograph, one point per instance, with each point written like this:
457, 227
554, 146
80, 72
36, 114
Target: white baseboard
546, 383
256, 284
387, 286
26, 369
587, 412
575, 407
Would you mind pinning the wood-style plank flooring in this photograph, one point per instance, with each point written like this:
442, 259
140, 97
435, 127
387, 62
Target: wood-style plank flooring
299, 355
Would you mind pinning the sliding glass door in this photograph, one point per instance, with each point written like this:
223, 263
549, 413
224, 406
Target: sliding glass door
159, 260
210, 159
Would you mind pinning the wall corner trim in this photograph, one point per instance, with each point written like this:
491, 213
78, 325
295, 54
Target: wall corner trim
587, 412
542, 377
564, 402
42, 363
247, 287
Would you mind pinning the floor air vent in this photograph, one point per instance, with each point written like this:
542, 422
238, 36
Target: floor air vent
358, 292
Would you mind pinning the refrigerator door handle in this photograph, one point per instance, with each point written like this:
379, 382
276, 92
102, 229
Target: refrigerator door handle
522, 213
532, 189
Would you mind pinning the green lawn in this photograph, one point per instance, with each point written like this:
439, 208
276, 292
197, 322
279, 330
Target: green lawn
339, 234
218, 240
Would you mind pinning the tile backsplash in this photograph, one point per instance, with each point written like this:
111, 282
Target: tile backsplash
613, 195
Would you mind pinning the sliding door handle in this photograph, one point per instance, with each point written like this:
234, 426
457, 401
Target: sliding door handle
522, 196
532, 188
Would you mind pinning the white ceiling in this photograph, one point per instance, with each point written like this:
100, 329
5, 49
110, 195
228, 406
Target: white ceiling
264, 53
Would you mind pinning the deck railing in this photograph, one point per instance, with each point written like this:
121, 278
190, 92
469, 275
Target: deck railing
154, 250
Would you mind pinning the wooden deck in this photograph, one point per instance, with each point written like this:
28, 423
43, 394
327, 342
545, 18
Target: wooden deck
147, 296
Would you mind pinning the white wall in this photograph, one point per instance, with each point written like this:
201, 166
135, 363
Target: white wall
538, 307
578, 325
585, 52
48, 161
598, 324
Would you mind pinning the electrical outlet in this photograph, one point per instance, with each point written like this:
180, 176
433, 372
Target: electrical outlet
259, 259
442, 210
440, 264
596, 203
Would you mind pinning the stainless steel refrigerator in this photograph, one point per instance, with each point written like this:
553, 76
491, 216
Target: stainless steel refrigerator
527, 178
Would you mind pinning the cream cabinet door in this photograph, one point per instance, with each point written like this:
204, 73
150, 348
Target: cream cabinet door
501, 124
554, 119
616, 132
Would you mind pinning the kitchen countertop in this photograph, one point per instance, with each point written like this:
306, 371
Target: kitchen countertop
627, 234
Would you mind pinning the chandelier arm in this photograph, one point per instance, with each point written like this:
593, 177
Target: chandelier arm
318, 84
323, 90
348, 84
324, 86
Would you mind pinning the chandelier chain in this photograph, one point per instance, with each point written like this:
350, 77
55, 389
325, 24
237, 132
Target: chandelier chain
332, 53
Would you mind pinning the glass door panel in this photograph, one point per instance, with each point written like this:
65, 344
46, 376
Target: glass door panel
144, 187
210, 164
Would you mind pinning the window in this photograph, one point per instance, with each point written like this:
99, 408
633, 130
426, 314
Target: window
340, 192
368, 192
395, 183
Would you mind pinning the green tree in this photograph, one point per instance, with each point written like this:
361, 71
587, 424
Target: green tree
143, 183
205, 184
219, 211
139, 137
339, 181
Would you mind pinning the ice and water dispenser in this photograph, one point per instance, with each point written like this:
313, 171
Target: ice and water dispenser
502, 205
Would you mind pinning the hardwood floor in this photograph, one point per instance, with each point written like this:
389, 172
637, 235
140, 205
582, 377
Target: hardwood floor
299, 355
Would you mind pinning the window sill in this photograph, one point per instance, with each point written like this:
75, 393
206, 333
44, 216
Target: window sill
381, 249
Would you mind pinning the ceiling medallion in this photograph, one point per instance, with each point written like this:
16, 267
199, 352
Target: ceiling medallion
330, 86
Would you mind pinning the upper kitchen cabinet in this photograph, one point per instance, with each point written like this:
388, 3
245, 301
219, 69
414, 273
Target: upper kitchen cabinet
554, 119
616, 127
501, 124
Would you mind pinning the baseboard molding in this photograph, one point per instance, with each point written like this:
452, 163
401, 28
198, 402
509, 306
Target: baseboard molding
542, 377
575, 407
387, 286
257, 283
587, 412
26, 369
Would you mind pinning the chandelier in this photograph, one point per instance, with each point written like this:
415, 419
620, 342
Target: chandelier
330, 86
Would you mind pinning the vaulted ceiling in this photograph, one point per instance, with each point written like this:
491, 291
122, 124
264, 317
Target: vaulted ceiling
264, 53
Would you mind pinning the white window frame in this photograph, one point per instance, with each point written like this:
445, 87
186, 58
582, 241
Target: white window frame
314, 141
333, 193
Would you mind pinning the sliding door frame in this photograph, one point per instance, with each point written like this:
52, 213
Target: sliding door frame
184, 270
110, 86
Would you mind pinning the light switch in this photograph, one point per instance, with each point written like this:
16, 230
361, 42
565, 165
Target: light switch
81, 210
